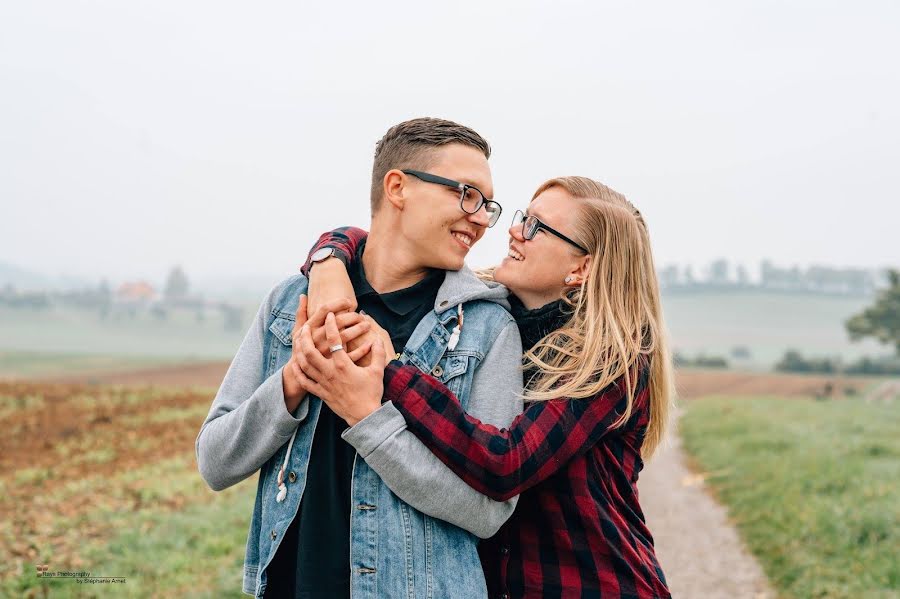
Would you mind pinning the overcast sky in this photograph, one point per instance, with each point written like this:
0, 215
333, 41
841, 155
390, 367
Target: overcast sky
225, 136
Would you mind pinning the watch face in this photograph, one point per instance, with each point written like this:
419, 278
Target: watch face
320, 255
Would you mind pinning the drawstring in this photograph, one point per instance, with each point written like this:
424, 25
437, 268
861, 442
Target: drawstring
282, 488
454, 336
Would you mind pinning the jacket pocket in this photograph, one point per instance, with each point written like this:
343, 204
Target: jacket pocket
282, 329
451, 371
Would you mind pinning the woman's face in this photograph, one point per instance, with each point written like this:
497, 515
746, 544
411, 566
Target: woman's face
535, 270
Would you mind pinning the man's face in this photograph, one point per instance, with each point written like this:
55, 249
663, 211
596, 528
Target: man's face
440, 232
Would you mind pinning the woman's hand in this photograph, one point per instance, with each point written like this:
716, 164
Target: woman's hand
352, 392
328, 282
352, 327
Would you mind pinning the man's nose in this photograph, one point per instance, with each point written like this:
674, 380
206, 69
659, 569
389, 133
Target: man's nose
481, 218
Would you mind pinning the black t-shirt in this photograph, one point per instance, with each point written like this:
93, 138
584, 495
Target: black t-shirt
318, 539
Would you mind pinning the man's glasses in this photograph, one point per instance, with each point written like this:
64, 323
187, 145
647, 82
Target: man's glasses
531, 225
470, 198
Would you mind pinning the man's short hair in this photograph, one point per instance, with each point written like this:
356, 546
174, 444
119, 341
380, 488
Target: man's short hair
411, 144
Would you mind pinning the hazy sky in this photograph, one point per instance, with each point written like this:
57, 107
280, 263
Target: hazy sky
225, 136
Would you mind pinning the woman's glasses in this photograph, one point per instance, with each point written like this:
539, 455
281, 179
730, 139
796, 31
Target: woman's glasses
532, 224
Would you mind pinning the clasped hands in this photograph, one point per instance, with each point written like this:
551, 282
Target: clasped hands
349, 380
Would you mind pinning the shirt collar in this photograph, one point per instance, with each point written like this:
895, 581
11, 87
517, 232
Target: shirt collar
402, 301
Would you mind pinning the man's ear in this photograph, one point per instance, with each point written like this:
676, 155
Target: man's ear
394, 188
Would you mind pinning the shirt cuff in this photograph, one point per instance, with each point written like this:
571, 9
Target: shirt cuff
397, 378
271, 394
304, 270
373, 430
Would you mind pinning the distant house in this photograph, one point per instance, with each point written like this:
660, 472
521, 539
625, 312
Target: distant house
136, 292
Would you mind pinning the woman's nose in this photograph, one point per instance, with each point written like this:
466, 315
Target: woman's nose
515, 231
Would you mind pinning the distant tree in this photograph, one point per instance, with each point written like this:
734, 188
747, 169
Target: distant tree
718, 272
768, 273
177, 285
669, 276
881, 320
104, 298
741, 352
793, 361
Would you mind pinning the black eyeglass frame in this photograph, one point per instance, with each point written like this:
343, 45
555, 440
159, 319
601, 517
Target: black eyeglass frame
519, 215
493, 217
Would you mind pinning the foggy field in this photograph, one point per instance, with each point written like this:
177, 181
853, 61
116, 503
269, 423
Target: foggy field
767, 324
72, 331
712, 323
102, 477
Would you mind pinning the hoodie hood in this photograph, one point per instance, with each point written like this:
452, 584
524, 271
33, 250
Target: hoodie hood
461, 286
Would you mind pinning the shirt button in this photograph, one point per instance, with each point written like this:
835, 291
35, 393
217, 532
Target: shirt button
437, 371
274, 534
504, 550
292, 477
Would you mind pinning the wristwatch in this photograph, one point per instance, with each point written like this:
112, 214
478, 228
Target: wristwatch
321, 255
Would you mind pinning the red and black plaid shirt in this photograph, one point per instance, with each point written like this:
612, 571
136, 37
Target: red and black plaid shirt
578, 529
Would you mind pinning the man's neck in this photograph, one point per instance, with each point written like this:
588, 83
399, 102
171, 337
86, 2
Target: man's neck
389, 264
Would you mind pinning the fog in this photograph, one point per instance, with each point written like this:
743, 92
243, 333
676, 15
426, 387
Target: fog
226, 136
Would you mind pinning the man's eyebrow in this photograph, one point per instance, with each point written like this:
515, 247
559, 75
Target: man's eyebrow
470, 183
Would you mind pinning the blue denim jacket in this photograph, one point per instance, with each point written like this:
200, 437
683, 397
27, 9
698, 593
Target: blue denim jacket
414, 524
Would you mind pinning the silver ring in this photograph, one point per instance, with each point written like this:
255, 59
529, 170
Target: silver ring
337, 348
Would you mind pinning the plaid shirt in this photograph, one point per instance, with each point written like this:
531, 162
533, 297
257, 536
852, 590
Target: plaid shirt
578, 529
344, 240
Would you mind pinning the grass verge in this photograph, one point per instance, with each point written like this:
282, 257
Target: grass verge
813, 487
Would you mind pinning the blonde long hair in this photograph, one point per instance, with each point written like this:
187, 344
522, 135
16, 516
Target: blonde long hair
616, 321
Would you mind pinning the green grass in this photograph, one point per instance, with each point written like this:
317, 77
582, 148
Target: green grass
196, 551
813, 487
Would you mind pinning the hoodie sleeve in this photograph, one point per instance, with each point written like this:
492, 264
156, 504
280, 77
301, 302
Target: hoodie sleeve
419, 478
248, 421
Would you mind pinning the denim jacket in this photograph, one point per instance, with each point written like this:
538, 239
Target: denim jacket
414, 524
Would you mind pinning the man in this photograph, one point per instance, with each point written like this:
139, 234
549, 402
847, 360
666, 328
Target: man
381, 515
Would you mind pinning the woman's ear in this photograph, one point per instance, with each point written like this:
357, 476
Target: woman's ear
576, 276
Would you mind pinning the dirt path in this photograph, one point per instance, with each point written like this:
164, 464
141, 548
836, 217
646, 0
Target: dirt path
698, 549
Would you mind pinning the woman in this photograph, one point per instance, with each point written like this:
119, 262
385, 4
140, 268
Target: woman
598, 389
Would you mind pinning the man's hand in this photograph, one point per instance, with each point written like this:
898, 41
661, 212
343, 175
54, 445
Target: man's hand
351, 325
351, 391
376, 332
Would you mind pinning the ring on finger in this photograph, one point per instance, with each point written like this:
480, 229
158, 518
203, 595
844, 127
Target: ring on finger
336, 348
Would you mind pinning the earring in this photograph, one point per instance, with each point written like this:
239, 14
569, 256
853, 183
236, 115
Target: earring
568, 279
